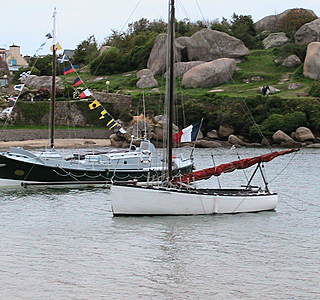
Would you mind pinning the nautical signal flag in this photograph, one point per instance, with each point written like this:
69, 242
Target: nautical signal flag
77, 82
68, 70
85, 94
19, 87
57, 47
94, 104
188, 134
102, 113
112, 123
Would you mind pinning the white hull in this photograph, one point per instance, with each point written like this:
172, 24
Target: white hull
129, 200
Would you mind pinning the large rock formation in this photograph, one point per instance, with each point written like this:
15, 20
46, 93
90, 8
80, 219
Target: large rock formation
309, 32
209, 74
275, 40
182, 67
311, 66
280, 137
146, 79
157, 59
42, 82
271, 23
304, 134
209, 45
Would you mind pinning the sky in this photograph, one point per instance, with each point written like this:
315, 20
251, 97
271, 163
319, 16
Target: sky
25, 23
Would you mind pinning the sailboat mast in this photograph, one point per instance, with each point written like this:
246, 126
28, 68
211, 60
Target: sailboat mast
170, 99
53, 85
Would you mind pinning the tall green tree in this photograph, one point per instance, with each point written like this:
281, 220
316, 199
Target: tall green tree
86, 51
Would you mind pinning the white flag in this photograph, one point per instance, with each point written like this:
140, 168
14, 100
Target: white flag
19, 87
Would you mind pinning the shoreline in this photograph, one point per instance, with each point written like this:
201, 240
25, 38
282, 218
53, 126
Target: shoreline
59, 143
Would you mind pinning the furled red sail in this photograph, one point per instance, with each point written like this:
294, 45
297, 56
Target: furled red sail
229, 167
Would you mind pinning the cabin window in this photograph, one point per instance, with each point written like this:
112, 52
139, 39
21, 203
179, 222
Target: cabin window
124, 162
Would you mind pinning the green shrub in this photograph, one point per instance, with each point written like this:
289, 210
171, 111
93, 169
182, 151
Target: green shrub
290, 49
287, 122
315, 90
109, 62
298, 73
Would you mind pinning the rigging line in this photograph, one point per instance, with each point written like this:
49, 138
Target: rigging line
284, 168
121, 29
206, 22
256, 125
27, 79
291, 197
184, 9
78, 75
131, 14
302, 201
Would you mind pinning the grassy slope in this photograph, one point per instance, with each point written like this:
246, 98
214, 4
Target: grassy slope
259, 63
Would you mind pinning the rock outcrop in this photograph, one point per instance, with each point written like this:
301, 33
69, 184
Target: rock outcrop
311, 67
304, 134
182, 67
308, 33
209, 45
275, 40
291, 61
42, 82
157, 59
146, 79
209, 74
280, 137
225, 130
271, 23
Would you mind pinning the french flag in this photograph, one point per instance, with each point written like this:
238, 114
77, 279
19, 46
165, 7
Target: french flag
188, 134
77, 82
68, 70
85, 94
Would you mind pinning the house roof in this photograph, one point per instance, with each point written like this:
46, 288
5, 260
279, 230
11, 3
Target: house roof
68, 52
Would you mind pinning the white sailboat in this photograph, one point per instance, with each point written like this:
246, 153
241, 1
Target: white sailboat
176, 196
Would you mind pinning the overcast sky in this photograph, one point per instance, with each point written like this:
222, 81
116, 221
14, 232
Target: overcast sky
25, 22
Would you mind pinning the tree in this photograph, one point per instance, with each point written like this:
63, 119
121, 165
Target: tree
86, 51
109, 62
242, 28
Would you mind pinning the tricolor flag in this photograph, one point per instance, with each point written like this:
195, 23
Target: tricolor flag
77, 82
19, 87
85, 94
188, 134
68, 70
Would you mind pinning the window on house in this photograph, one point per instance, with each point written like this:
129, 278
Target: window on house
13, 62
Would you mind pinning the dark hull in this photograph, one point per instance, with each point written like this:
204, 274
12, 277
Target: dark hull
24, 171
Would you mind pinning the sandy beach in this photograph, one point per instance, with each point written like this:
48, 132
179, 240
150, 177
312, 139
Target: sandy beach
59, 143
38, 138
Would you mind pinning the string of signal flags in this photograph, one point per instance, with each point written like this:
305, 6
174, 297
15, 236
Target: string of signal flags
94, 104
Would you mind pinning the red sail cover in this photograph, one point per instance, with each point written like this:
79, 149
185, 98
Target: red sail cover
229, 167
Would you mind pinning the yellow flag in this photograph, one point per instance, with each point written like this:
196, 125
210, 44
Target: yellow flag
94, 104
102, 114
57, 47
112, 123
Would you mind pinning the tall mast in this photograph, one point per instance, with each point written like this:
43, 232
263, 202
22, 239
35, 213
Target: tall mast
170, 91
53, 85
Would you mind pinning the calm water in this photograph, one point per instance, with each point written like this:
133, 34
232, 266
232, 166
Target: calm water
66, 245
